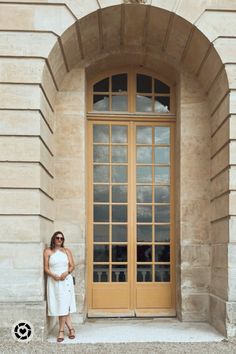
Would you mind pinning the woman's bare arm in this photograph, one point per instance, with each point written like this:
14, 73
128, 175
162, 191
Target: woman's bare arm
46, 266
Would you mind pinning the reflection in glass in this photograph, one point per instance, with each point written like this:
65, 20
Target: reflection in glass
144, 83
144, 135
162, 135
119, 233
144, 154
119, 174
143, 103
161, 87
144, 174
102, 86
119, 103
162, 273
144, 213
162, 175
100, 153
101, 103
162, 155
119, 154
101, 233
100, 273
144, 194
119, 83
162, 253
144, 253
119, 213
144, 273
162, 233
144, 233
101, 213
162, 194
162, 104
101, 253
119, 134
101, 173
162, 213
119, 273
119, 253
119, 194
101, 133
101, 193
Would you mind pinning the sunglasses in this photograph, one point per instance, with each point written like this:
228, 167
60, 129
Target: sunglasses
59, 238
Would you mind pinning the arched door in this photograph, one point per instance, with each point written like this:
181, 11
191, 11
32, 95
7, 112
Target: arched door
131, 197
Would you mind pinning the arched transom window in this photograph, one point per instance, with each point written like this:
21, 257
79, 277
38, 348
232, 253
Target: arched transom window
131, 92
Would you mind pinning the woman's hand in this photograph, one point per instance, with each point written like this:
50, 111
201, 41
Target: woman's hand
63, 276
56, 277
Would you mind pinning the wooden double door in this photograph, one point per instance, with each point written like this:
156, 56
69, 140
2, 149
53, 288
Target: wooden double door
130, 256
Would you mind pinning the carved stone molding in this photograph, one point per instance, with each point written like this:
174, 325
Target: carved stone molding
135, 1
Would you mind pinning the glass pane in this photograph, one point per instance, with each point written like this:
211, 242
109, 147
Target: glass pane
101, 173
144, 83
144, 213
119, 273
144, 194
162, 104
119, 233
144, 103
119, 103
160, 87
100, 153
144, 154
102, 86
144, 253
162, 155
144, 273
119, 253
162, 253
144, 135
101, 253
119, 213
119, 134
162, 213
101, 103
101, 193
101, 233
162, 233
144, 174
101, 213
100, 273
119, 194
119, 174
162, 273
119, 154
162, 175
162, 194
119, 83
144, 233
101, 134
162, 135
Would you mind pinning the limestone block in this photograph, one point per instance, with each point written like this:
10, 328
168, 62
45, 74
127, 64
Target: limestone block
220, 114
232, 107
46, 230
220, 161
38, 17
218, 90
78, 251
210, 68
90, 34
21, 70
195, 307
220, 138
232, 126
20, 175
195, 279
24, 44
111, 25
191, 211
220, 231
232, 255
220, 256
74, 231
20, 123
219, 282
20, 256
220, 207
217, 313
212, 24
70, 210
23, 228
57, 63
195, 232
133, 34
191, 10
195, 256
71, 46
167, 5
22, 285
232, 281
231, 312
83, 7
46, 206
74, 80
232, 152
226, 48
49, 85
71, 103
220, 184
107, 3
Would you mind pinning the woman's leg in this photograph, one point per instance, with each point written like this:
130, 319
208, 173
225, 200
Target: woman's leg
68, 321
62, 321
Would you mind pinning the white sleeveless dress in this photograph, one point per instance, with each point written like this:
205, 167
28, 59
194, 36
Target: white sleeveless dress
60, 293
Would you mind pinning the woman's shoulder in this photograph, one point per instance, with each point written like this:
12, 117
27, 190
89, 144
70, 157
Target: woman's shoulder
67, 249
48, 251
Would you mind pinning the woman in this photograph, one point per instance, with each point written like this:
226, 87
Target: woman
58, 264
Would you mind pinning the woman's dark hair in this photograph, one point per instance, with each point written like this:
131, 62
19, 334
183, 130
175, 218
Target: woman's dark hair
52, 243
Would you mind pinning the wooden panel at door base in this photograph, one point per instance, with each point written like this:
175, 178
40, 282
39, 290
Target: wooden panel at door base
154, 296
110, 298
